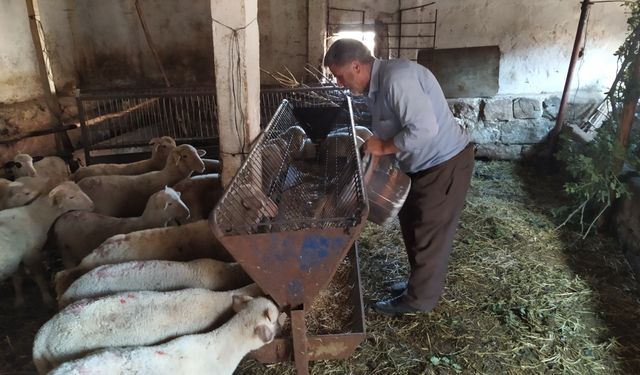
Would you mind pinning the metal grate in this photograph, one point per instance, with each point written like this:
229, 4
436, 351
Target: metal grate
128, 119
283, 187
311, 97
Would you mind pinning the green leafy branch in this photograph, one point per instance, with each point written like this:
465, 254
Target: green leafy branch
594, 167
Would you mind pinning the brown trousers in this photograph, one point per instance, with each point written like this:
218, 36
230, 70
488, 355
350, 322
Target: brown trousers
429, 219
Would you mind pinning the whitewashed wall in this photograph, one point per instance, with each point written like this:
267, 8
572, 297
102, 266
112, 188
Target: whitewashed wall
19, 77
534, 37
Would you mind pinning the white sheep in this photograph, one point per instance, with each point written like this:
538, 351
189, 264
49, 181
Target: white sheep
219, 352
53, 167
160, 149
123, 196
156, 275
200, 194
21, 192
128, 319
186, 242
23, 232
78, 233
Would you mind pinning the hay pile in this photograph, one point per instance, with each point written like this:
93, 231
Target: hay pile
522, 296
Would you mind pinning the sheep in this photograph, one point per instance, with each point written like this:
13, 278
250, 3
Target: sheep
160, 149
200, 194
361, 131
219, 352
123, 196
78, 233
21, 192
157, 275
128, 319
52, 167
23, 232
186, 242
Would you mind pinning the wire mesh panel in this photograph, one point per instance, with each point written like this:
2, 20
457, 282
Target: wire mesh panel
307, 97
123, 119
290, 182
295, 206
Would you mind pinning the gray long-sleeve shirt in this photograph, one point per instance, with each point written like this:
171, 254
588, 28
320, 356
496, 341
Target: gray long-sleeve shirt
407, 104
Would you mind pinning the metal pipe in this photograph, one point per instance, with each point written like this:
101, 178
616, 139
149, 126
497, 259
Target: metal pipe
417, 7
555, 133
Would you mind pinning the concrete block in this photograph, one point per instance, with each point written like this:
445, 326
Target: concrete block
466, 109
524, 131
498, 109
499, 151
527, 108
483, 132
550, 107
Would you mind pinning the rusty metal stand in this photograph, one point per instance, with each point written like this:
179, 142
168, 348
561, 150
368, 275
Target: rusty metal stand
299, 335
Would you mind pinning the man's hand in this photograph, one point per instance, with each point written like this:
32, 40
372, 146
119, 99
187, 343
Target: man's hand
377, 147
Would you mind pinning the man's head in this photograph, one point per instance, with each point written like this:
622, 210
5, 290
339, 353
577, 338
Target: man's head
350, 61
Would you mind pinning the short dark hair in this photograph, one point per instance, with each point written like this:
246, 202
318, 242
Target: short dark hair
344, 51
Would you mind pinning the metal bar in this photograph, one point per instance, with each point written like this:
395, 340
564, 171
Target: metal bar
382, 23
417, 7
409, 36
399, 28
346, 9
435, 28
555, 133
37, 133
405, 48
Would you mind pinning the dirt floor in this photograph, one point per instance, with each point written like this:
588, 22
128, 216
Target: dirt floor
522, 296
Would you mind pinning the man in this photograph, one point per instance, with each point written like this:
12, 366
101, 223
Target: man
412, 121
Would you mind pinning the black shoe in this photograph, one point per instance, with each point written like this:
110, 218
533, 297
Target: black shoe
398, 288
395, 306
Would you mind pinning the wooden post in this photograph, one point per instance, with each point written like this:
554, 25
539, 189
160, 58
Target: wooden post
236, 56
555, 133
63, 143
317, 10
629, 110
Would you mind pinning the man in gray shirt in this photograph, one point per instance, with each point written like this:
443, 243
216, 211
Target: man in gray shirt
412, 121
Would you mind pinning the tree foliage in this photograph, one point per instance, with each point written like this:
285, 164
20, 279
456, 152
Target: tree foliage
594, 167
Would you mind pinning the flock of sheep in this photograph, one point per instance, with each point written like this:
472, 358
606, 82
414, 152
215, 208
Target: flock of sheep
144, 276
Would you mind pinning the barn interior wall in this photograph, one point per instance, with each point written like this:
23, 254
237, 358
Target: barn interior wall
283, 38
535, 37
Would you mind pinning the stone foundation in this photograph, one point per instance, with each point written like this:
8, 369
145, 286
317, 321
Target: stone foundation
506, 127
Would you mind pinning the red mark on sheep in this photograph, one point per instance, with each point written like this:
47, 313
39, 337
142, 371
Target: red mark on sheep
160, 352
122, 301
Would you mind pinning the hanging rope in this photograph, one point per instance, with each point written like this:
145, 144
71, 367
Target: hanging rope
236, 84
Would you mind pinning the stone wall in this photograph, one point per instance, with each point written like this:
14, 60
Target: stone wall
627, 222
506, 127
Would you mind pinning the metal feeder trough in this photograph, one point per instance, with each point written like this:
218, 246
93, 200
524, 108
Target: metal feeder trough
290, 221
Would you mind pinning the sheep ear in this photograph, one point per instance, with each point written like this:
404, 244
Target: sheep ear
201, 152
240, 302
176, 157
265, 333
153, 141
282, 319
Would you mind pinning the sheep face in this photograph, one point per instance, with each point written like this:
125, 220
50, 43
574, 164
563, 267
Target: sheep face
22, 166
68, 197
260, 314
167, 204
186, 157
20, 193
162, 147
